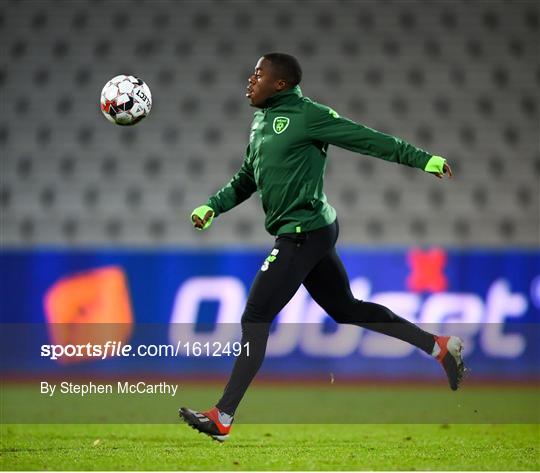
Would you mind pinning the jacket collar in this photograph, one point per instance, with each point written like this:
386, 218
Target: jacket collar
285, 96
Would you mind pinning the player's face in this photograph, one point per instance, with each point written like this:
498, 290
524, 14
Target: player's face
262, 84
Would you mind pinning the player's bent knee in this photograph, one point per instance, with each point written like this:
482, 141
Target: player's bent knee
341, 318
348, 312
254, 314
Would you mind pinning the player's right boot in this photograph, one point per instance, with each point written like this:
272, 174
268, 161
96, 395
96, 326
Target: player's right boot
450, 357
213, 422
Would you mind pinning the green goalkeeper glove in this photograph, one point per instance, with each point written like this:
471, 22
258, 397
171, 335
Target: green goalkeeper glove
437, 165
202, 217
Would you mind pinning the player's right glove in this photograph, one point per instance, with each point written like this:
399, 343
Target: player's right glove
202, 217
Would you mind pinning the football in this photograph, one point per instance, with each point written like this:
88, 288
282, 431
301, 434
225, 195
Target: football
125, 100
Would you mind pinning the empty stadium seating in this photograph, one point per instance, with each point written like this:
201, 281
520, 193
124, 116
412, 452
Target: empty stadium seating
457, 78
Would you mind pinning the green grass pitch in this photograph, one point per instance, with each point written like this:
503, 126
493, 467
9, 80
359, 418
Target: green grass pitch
279, 446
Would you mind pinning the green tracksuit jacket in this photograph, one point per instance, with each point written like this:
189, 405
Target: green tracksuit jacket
286, 159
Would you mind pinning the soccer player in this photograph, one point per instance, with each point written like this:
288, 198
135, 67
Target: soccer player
285, 162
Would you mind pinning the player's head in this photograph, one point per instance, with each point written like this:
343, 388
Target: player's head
274, 72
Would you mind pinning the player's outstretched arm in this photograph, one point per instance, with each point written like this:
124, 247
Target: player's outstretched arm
239, 188
324, 124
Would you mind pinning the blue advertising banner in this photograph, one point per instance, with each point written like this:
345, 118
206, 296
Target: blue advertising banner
191, 299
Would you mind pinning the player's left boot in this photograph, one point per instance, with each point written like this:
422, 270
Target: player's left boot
213, 422
451, 359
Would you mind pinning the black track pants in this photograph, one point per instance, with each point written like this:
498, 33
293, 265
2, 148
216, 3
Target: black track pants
306, 258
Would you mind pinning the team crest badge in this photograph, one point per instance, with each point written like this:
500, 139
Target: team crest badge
280, 124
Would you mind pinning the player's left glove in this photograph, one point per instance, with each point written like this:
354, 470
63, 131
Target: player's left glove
438, 166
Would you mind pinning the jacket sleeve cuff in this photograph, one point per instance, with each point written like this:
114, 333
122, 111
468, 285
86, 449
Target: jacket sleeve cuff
212, 206
435, 165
